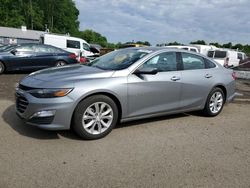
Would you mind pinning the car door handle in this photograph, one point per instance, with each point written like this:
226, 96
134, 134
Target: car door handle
175, 78
208, 76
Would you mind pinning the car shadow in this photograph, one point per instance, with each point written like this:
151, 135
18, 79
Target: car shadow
149, 120
10, 117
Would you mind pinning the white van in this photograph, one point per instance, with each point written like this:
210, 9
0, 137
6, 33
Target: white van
226, 57
189, 48
203, 49
71, 44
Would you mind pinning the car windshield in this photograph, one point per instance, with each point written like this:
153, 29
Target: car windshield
119, 59
7, 48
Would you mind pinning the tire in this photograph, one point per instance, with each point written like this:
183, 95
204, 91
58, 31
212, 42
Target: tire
215, 102
2, 68
60, 63
101, 115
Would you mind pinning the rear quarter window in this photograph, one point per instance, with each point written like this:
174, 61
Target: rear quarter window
192, 62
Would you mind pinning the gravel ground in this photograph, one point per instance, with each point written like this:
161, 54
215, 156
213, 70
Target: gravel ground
184, 150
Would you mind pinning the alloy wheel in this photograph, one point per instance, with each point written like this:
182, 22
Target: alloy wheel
216, 102
60, 63
97, 118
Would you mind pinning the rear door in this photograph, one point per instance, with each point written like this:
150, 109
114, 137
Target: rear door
44, 56
21, 57
155, 93
197, 80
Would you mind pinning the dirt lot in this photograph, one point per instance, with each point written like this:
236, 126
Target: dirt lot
184, 150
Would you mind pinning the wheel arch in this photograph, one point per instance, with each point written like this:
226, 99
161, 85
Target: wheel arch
223, 88
57, 60
5, 67
105, 93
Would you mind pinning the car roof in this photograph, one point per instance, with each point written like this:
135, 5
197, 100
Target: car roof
154, 49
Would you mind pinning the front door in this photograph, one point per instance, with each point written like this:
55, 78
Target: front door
148, 94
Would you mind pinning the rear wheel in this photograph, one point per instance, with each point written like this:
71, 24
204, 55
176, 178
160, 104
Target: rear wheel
60, 63
214, 103
95, 117
2, 68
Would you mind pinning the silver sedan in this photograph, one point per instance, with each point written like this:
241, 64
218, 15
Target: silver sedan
123, 85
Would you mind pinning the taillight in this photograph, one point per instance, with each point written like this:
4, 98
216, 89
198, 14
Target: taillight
73, 56
83, 60
234, 75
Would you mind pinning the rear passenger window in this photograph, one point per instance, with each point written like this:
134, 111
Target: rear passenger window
73, 44
25, 48
192, 62
193, 50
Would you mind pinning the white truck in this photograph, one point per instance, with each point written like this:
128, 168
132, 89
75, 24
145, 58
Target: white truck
227, 57
189, 48
203, 49
71, 44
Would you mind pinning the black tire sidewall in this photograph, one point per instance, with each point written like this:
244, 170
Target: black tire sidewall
207, 110
80, 109
60, 61
3, 68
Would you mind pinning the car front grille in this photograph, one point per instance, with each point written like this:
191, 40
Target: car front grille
21, 103
41, 120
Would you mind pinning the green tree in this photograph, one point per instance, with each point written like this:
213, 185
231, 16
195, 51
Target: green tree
93, 37
175, 43
10, 14
215, 44
198, 42
227, 45
60, 16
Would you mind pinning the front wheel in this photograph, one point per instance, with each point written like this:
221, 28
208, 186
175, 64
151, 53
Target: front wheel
2, 68
95, 117
214, 103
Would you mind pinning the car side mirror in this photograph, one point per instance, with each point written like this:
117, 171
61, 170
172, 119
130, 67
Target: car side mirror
146, 70
13, 52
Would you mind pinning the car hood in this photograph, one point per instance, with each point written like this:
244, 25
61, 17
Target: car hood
66, 75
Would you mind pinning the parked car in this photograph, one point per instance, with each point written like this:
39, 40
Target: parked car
123, 85
189, 48
71, 44
34, 57
226, 57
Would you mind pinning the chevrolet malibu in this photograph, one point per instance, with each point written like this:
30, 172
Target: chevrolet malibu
123, 85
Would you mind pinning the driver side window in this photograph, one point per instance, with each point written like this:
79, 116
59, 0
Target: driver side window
163, 62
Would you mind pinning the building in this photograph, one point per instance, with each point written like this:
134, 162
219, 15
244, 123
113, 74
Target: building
9, 35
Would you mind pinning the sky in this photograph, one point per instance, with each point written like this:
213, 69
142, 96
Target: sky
161, 21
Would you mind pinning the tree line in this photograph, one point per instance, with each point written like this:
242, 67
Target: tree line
59, 16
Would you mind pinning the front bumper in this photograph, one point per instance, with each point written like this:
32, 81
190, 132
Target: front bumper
62, 107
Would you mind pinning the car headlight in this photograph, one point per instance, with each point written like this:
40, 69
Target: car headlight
50, 93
